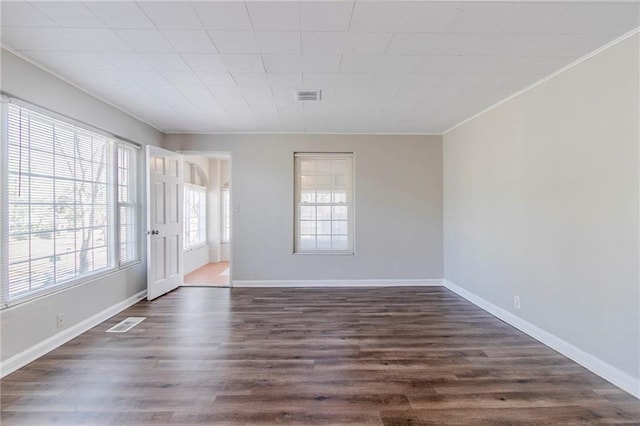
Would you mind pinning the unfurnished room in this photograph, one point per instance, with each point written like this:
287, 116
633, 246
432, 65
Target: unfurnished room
349, 212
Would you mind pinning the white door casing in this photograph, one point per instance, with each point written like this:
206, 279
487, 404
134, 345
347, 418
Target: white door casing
164, 221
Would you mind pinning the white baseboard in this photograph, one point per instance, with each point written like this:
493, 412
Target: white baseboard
25, 357
337, 283
603, 369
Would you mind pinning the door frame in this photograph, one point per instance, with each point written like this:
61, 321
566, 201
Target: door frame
208, 154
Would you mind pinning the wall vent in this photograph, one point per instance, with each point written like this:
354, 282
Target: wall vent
308, 95
126, 325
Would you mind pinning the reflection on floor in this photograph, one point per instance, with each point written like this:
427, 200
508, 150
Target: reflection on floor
213, 274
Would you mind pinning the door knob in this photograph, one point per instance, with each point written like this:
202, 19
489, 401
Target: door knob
155, 232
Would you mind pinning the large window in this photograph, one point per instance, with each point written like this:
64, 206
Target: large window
195, 216
68, 190
127, 203
324, 203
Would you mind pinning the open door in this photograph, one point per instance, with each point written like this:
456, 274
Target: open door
164, 221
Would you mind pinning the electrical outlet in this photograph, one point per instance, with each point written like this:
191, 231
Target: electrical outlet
60, 321
516, 302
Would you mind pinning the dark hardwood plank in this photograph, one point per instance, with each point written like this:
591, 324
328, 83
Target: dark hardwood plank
367, 356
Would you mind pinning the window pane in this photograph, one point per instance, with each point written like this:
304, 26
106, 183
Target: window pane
340, 167
19, 278
127, 207
340, 213
65, 242
323, 181
65, 267
339, 196
65, 216
42, 245
41, 163
41, 217
60, 201
41, 272
307, 212
307, 227
324, 227
324, 243
18, 218
19, 248
324, 167
64, 191
339, 227
41, 189
307, 242
308, 167
308, 196
307, 182
324, 212
324, 197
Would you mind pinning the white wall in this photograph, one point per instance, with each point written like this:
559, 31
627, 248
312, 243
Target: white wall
398, 205
541, 200
30, 323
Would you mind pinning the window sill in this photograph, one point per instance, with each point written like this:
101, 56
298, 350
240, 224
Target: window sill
323, 253
194, 248
21, 300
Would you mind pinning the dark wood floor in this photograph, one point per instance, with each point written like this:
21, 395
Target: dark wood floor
394, 356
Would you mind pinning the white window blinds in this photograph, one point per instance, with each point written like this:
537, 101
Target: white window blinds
61, 208
127, 204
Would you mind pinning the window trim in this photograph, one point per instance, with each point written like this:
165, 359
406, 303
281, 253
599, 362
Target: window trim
112, 220
351, 249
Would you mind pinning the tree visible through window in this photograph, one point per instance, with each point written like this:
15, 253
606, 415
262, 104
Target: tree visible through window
60, 202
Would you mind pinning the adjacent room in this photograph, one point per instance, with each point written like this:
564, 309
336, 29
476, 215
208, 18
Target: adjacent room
350, 212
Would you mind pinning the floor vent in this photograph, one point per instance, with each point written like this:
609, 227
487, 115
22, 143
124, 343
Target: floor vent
126, 325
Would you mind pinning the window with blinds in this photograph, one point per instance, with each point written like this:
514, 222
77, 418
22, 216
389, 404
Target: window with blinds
68, 188
324, 203
127, 204
195, 216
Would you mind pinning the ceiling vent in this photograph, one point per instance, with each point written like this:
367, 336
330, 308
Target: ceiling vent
308, 95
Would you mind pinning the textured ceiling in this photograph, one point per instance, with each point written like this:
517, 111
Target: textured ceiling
383, 66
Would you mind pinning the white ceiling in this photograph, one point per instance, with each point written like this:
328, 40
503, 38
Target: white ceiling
383, 66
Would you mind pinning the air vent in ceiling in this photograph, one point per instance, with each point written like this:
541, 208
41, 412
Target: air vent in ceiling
308, 95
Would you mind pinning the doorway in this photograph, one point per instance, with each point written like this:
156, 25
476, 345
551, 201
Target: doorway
207, 219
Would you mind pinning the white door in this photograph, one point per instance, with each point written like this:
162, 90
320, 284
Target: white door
164, 221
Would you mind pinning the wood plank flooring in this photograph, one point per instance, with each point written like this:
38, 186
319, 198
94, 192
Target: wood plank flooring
378, 356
